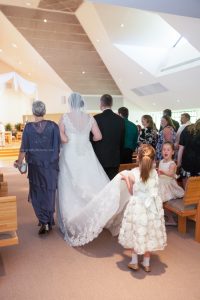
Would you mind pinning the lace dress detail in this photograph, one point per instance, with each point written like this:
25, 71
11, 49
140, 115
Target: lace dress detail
143, 226
87, 200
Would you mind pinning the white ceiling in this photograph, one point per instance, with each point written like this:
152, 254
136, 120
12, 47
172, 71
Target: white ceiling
102, 24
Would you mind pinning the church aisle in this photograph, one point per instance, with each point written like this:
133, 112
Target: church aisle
46, 267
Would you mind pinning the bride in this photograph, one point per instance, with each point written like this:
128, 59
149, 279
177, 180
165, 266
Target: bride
87, 200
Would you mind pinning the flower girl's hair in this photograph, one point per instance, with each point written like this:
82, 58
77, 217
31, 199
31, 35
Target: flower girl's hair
146, 156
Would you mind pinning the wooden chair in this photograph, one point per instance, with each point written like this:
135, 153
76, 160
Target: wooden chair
8, 221
129, 166
188, 206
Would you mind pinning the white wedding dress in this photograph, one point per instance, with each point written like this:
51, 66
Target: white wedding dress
87, 200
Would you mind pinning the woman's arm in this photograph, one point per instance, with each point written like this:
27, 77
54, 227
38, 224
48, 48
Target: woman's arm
97, 136
63, 136
180, 154
20, 159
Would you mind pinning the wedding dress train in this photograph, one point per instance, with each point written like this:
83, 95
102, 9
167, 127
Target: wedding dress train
87, 200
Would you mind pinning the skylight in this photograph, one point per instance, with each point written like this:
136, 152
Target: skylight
169, 52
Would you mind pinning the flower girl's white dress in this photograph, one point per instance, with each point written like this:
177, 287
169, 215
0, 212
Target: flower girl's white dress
169, 187
143, 225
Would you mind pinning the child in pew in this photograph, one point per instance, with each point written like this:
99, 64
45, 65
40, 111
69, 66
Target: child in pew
168, 185
143, 225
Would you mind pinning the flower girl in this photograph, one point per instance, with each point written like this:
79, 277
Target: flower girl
143, 225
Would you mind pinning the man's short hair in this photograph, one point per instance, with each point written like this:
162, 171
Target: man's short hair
123, 111
167, 112
106, 100
186, 115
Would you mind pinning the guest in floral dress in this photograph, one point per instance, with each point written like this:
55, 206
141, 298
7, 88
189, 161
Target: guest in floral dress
166, 134
148, 135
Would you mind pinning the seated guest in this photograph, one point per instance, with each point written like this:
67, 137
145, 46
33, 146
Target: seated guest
185, 121
189, 151
166, 134
148, 134
168, 185
131, 137
41, 145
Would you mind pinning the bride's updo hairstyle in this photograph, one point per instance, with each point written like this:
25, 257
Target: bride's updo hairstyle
76, 102
146, 156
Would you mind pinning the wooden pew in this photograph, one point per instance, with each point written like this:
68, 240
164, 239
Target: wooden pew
129, 166
8, 221
188, 206
3, 186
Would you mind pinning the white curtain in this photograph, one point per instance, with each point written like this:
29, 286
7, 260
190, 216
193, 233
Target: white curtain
26, 86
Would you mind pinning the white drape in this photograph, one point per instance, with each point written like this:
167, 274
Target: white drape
26, 86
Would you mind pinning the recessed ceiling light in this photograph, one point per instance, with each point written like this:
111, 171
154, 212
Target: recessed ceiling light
83, 72
153, 103
28, 3
122, 25
45, 20
178, 100
14, 45
1, 50
141, 73
98, 40
19, 62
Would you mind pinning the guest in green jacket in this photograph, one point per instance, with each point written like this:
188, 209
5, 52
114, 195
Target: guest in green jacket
131, 137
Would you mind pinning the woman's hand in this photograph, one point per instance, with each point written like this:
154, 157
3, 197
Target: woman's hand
16, 164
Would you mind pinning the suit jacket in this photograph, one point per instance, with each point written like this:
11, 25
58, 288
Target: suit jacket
112, 128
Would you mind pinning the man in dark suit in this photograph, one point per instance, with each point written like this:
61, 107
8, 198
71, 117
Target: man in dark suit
112, 128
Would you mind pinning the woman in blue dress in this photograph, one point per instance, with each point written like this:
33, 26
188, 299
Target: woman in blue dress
40, 147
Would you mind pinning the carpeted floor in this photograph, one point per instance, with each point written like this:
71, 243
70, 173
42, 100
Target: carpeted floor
41, 268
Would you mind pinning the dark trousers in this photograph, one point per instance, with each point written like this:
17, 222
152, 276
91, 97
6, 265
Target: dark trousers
111, 172
126, 156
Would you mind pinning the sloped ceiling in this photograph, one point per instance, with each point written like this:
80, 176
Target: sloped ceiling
104, 22
63, 43
78, 40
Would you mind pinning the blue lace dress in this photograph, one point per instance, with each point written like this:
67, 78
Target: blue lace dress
41, 143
